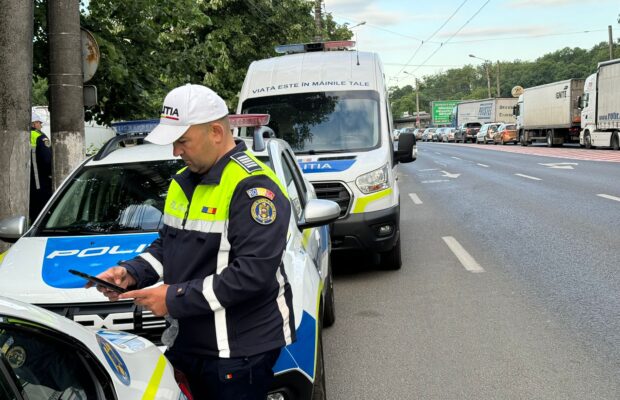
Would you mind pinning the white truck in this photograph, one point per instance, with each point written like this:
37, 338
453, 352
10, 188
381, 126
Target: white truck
600, 114
485, 111
550, 113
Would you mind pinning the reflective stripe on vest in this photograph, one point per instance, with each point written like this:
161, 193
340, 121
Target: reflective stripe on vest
34, 135
208, 212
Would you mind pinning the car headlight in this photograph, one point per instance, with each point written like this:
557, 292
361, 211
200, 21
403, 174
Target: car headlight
374, 181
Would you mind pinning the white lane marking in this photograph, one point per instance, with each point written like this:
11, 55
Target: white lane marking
415, 198
562, 165
429, 169
456, 158
469, 263
436, 181
529, 177
607, 196
449, 175
438, 153
483, 165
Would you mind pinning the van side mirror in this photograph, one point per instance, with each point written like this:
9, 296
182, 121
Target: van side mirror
404, 154
12, 228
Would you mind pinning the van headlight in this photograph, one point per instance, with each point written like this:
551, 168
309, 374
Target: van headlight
374, 181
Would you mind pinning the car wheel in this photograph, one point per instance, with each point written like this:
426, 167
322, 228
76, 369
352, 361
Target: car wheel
318, 387
329, 309
615, 143
588, 141
392, 260
501, 141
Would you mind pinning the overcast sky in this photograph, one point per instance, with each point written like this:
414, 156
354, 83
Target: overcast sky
427, 37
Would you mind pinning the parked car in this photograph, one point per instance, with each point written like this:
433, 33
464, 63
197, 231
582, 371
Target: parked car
506, 133
448, 135
486, 132
395, 134
437, 134
467, 132
46, 356
428, 134
111, 208
418, 133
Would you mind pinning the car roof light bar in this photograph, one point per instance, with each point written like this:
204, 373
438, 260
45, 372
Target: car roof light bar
247, 120
315, 46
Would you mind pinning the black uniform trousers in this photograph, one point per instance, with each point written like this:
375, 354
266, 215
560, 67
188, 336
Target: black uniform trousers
213, 378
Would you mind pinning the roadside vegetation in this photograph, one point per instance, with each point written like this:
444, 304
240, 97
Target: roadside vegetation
470, 83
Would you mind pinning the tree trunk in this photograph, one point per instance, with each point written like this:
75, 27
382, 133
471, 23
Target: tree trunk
16, 22
66, 87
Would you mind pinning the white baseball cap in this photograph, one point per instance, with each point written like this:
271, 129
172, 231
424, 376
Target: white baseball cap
183, 107
35, 117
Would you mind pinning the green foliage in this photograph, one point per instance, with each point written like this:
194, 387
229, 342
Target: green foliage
39, 91
149, 47
468, 82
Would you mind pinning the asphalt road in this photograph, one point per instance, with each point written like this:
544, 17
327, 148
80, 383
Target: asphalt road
533, 313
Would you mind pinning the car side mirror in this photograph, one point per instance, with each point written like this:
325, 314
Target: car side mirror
12, 228
404, 154
319, 212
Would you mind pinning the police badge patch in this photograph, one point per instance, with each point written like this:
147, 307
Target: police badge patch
263, 211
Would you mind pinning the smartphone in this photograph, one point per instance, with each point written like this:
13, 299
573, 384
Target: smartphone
98, 281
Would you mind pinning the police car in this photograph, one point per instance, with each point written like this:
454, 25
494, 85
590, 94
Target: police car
46, 356
110, 208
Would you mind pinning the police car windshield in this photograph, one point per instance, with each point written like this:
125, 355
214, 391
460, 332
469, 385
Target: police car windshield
111, 199
322, 122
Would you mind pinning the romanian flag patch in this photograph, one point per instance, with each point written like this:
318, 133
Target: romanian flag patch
262, 192
209, 210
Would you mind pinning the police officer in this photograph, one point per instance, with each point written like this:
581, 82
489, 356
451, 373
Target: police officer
219, 254
40, 167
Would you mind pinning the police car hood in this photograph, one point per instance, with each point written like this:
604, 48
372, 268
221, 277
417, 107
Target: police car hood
35, 269
128, 358
341, 166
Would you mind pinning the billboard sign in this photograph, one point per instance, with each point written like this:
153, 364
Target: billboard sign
442, 111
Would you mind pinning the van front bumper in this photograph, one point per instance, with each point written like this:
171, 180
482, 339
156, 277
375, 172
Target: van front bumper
364, 231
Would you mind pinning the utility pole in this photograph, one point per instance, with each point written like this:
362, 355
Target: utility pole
417, 104
611, 43
497, 79
66, 87
487, 66
317, 20
16, 25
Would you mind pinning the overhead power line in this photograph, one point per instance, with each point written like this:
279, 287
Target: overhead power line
431, 36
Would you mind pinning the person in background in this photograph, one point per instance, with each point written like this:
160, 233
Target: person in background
40, 167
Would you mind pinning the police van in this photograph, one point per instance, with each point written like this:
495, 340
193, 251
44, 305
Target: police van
331, 105
110, 209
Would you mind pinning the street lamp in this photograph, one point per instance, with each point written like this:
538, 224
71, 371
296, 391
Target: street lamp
486, 67
356, 25
417, 101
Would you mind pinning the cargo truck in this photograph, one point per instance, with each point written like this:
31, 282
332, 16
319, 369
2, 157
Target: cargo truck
550, 113
600, 114
471, 114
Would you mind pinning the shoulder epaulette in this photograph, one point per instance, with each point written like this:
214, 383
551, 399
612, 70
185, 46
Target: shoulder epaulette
245, 162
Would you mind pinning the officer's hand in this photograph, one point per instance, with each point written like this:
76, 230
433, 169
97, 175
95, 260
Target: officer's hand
116, 275
153, 299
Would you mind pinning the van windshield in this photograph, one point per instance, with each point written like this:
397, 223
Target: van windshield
322, 122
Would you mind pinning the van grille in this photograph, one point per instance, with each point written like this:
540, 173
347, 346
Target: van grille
334, 191
122, 316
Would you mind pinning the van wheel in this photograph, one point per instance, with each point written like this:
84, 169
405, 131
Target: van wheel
329, 309
392, 260
615, 143
588, 141
318, 387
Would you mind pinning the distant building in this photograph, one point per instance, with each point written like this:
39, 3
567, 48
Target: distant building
409, 120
